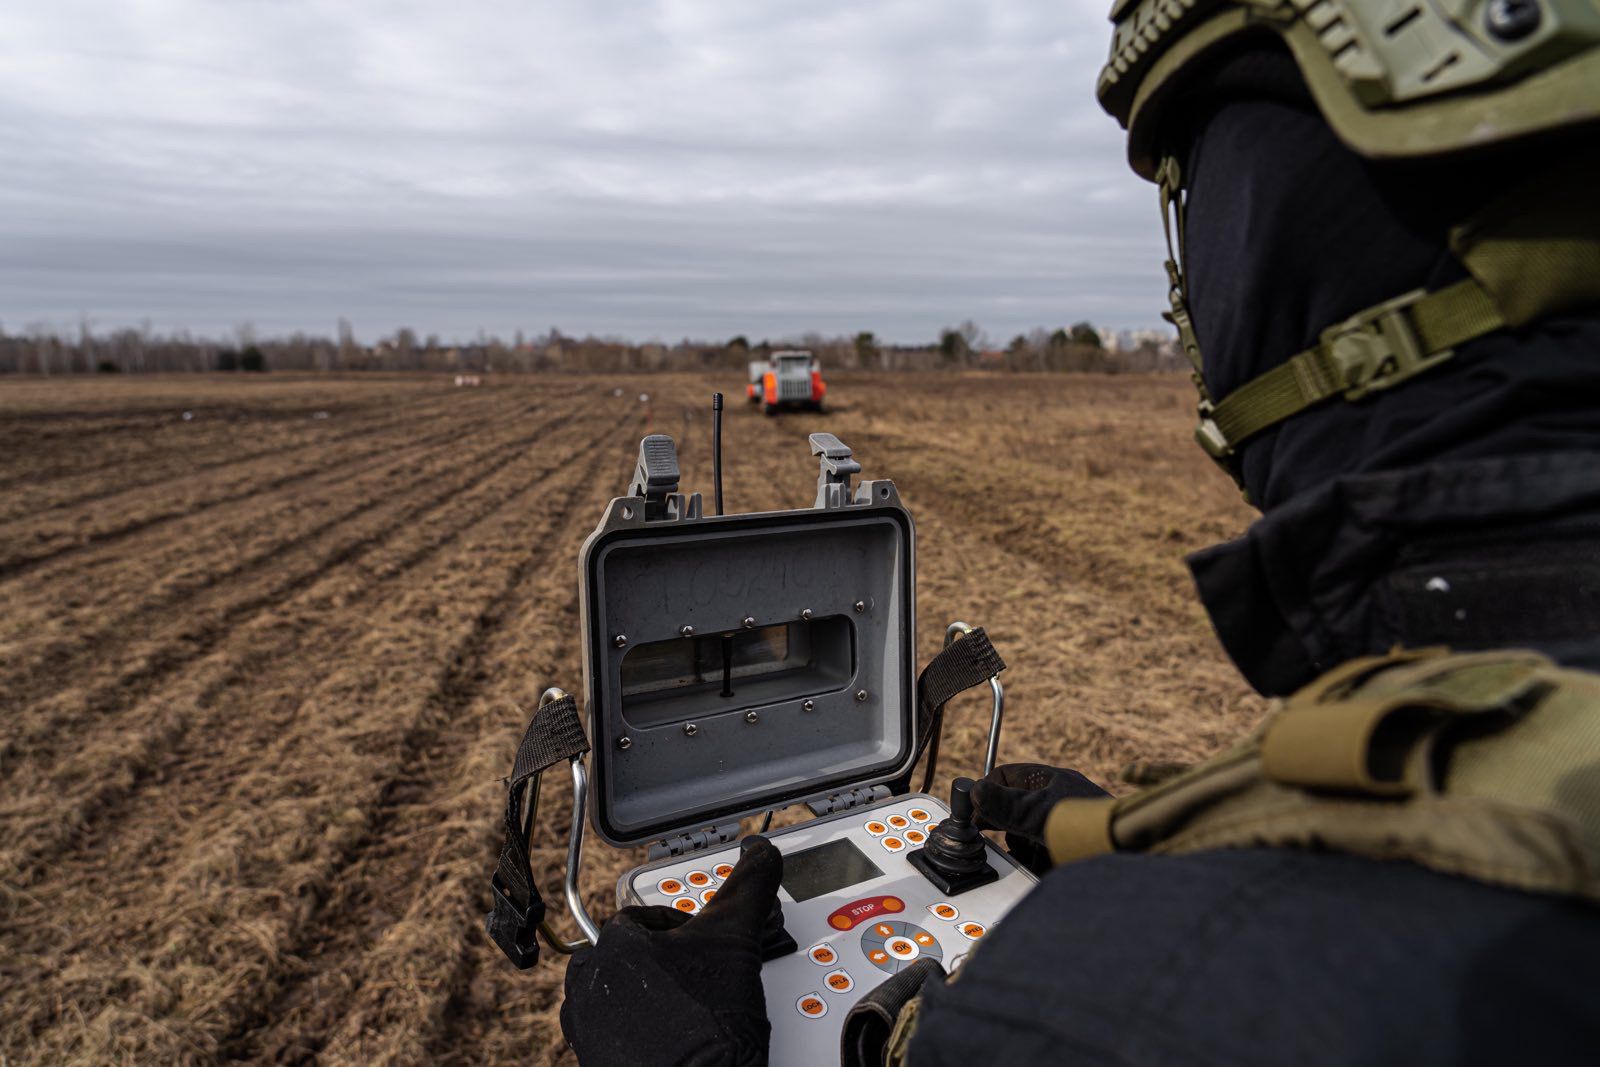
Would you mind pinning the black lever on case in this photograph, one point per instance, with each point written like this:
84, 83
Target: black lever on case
954, 859
775, 940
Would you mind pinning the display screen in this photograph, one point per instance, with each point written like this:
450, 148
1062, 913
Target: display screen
825, 868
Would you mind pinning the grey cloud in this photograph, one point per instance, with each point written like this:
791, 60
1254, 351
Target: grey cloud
656, 169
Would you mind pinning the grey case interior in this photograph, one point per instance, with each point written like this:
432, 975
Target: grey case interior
735, 664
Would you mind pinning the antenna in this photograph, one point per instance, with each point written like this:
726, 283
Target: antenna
716, 449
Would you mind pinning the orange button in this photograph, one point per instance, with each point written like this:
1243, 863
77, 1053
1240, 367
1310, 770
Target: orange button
811, 1005
916, 837
898, 822
893, 844
722, 870
900, 946
670, 886
883, 929
944, 911
893, 904
687, 904
839, 982
877, 955
698, 879
972, 930
840, 922
876, 828
924, 939
822, 955
919, 815
705, 897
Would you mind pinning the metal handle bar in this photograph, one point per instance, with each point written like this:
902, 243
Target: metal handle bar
580, 798
954, 632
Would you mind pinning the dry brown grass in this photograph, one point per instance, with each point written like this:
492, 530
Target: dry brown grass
261, 671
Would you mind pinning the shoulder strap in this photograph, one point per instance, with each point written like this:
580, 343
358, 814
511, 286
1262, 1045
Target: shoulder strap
1484, 765
554, 734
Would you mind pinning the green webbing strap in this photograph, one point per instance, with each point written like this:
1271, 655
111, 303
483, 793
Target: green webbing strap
1373, 350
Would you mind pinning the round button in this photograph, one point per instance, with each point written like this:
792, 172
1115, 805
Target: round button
840, 922
722, 870
893, 844
839, 981
812, 1006
972, 931
918, 815
823, 955
698, 879
706, 895
883, 930
670, 886
940, 909
893, 904
923, 938
916, 837
901, 948
877, 829
688, 904
899, 822
878, 956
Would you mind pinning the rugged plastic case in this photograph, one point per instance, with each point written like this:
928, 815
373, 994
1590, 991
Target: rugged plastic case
736, 664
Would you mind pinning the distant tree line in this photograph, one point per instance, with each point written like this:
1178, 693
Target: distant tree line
1076, 348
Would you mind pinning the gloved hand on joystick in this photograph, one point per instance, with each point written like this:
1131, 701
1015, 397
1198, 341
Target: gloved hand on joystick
1017, 799
663, 987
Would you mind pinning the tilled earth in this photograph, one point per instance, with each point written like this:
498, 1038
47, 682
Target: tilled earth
267, 647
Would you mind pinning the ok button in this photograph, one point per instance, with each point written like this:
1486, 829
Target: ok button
902, 948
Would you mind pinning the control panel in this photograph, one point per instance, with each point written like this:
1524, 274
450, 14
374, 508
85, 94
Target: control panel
858, 910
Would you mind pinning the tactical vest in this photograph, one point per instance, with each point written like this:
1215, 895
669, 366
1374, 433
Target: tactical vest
1484, 765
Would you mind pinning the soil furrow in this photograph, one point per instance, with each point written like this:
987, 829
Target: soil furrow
185, 467
126, 690
57, 659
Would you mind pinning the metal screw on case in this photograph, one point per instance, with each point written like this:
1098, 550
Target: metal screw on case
751, 717
1512, 20
686, 631
810, 705
621, 640
861, 694
805, 613
624, 742
749, 622
861, 605
690, 729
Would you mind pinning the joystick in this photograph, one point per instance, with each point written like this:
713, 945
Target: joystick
775, 940
955, 859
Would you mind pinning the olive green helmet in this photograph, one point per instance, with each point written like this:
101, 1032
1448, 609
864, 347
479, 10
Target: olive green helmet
1394, 78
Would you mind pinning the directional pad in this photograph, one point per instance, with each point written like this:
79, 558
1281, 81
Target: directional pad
891, 945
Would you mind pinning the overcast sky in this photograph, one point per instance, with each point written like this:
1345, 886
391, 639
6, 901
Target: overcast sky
652, 169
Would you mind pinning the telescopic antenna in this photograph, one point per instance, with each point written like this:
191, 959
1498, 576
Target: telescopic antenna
716, 449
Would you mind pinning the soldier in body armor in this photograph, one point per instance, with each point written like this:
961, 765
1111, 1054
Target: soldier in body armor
1386, 267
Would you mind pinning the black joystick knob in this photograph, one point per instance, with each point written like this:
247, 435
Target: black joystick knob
955, 858
775, 940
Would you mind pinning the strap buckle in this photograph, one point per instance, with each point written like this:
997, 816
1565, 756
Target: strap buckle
1209, 436
1378, 347
513, 927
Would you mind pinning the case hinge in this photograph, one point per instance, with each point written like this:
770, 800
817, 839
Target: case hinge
655, 478
695, 841
854, 798
833, 480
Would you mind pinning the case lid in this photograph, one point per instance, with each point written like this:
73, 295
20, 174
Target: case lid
735, 664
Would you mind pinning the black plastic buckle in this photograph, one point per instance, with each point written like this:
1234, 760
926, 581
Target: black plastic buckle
514, 928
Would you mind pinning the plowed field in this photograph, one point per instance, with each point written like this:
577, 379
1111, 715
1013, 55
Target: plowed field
263, 665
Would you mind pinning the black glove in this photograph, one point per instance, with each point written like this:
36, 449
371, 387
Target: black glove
662, 987
1017, 798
